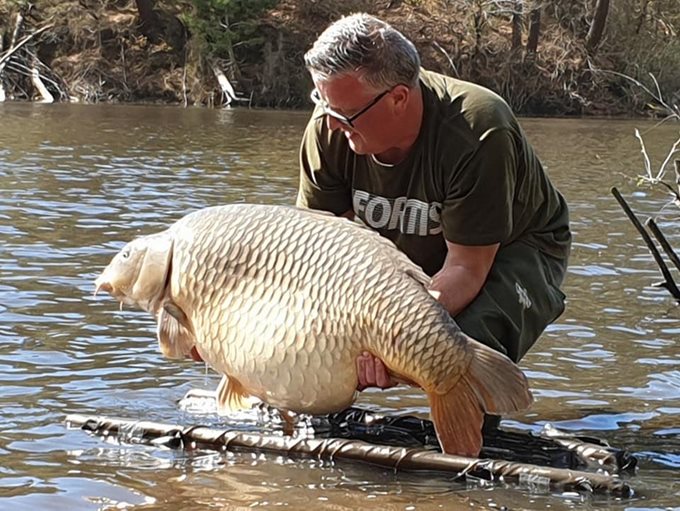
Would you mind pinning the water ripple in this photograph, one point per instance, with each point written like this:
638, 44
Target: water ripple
82, 181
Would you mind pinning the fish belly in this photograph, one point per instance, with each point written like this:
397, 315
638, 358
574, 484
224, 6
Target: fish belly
303, 379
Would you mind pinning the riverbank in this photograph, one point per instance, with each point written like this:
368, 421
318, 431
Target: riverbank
542, 61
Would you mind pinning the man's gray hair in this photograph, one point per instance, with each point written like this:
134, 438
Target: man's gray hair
381, 55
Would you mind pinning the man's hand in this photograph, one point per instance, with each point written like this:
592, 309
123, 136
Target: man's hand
372, 373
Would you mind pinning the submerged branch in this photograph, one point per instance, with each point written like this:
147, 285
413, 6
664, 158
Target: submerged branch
648, 164
665, 245
669, 283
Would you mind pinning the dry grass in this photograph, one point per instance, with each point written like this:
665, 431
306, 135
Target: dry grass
98, 50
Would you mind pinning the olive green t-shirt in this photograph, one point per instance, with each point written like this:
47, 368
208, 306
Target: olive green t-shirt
471, 178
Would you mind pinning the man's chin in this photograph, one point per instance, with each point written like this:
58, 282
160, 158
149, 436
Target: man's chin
357, 148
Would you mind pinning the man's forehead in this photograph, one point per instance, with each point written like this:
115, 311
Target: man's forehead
342, 89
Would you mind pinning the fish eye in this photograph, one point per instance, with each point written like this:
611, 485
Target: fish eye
125, 254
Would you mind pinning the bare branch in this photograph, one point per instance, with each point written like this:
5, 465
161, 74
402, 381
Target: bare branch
669, 283
643, 150
673, 150
673, 109
448, 57
656, 83
6, 56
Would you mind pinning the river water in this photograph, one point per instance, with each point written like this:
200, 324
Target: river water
77, 182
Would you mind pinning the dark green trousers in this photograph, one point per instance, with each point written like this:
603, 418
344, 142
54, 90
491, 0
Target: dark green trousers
520, 298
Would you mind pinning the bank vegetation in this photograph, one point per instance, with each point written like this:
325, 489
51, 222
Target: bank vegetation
546, 57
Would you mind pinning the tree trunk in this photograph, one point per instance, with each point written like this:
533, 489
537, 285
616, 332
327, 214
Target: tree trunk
534, 29
18, 25
517, 25
642, 16
478, 20
148, 17
597, 26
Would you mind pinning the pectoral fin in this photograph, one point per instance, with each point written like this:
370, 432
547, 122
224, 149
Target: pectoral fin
231, 396
174, 339
176, 312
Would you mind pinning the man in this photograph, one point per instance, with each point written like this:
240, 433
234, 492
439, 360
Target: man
441, 167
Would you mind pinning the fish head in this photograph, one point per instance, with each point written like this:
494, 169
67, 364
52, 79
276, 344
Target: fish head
138, 274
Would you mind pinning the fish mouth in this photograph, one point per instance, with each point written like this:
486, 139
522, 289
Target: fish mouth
102, 286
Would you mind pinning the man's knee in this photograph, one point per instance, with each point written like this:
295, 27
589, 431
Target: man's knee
518, 301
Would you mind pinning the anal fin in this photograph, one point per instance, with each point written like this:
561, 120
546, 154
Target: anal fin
232, 397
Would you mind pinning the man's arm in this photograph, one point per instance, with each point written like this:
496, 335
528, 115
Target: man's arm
464, 272
455, 286
322, 185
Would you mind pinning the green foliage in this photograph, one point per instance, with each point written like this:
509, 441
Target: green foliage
217, 26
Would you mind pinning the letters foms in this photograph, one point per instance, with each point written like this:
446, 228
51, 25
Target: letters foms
410, 216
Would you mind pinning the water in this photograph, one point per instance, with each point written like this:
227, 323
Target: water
77, 182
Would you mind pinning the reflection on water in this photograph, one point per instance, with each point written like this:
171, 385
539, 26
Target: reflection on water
77, 182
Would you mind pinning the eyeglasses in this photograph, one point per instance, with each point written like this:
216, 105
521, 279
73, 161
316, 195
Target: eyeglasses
347, 121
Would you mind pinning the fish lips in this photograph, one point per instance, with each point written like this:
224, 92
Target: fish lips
102, 284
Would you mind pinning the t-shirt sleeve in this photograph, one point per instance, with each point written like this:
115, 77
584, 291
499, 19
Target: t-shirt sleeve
477, 209
322, 185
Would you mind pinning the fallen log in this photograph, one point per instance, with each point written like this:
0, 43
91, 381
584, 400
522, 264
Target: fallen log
336, 449
551, 447
593, 453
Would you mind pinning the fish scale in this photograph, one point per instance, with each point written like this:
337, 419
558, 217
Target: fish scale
282, 301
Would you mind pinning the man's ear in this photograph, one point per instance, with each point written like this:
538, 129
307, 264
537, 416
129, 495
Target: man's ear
400, 96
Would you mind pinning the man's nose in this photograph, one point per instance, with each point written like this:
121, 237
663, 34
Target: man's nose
334, 124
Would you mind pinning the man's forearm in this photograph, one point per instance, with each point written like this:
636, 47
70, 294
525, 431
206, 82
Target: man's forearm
455, 287
463, 274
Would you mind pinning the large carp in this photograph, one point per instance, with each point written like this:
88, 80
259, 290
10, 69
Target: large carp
282, 300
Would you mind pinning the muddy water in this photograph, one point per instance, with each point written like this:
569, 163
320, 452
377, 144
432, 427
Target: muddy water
76, 182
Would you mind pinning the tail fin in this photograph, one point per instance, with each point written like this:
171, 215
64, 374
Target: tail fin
500, 384
492, 384
458, 418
